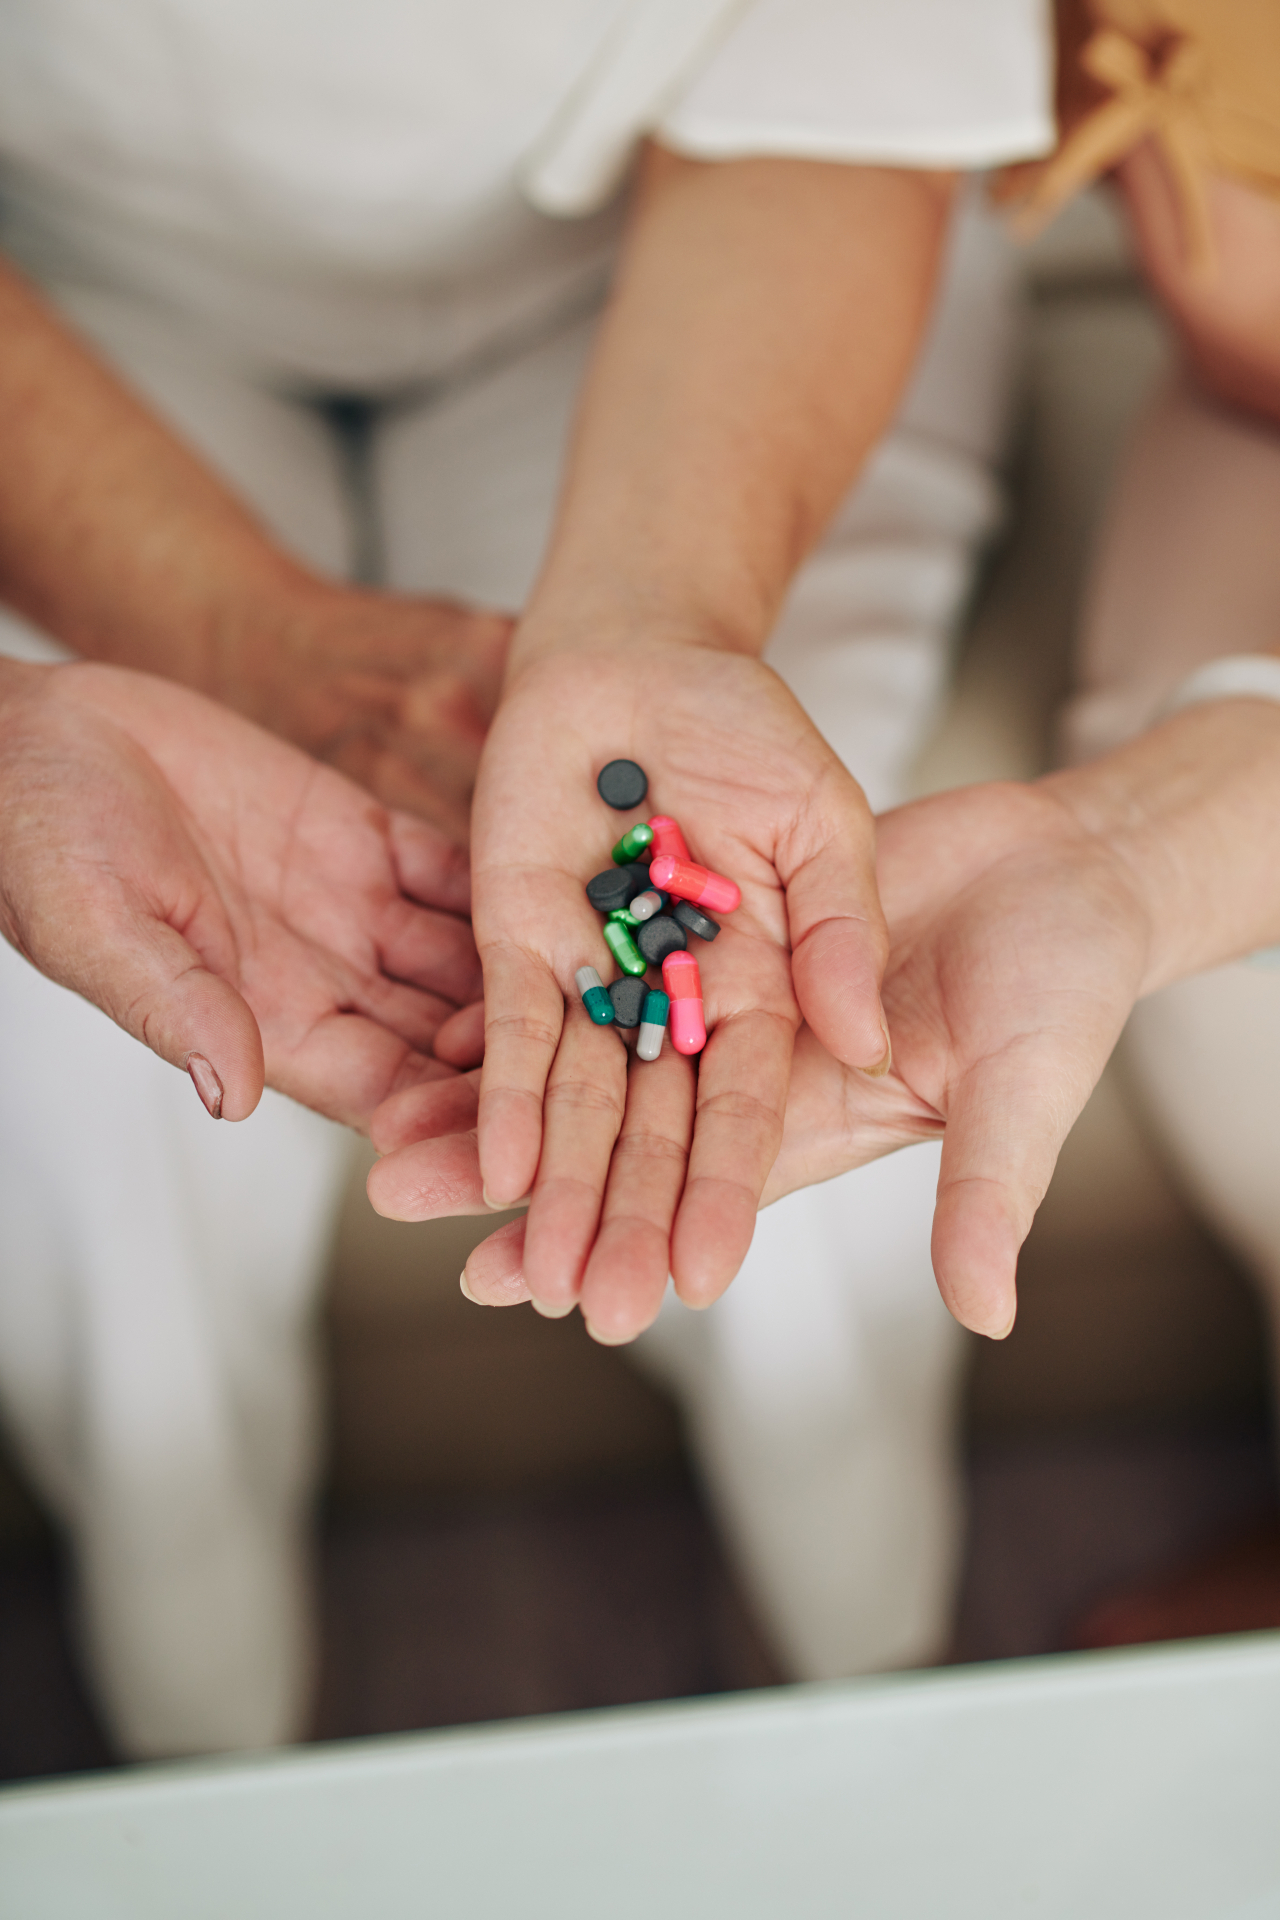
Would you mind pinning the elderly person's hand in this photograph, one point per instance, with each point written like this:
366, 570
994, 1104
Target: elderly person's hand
241, 910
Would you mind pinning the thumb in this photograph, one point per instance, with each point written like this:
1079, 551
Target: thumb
839, 941
1006, 1122
155, 985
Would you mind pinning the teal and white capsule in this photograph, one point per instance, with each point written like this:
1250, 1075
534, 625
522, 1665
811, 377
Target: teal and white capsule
645, 905
595, 995
623, 948
653, 1023
632, 844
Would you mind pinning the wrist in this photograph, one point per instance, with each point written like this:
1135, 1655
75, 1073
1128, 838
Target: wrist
1190, 811
585, 625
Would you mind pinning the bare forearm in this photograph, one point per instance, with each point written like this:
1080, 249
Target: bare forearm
765, 319
1192, 810
113, 537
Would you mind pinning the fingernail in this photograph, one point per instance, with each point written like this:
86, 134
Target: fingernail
206, 1083
885, 1061
503, 1206
466, 1291
606, 1339
1007, 1330
552, 1313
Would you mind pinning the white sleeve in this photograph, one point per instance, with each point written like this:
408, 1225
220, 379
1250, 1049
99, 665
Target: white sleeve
964, 83
946, 83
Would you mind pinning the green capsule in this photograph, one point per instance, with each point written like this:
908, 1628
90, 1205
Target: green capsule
624, 917
623, 948
595, 995
632, 844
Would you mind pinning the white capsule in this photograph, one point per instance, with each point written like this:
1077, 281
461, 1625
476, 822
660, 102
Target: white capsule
645, 905
649, 1043
586, 977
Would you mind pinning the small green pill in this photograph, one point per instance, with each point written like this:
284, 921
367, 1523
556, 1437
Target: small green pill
624, 917
632, 844
623, 948
595, 995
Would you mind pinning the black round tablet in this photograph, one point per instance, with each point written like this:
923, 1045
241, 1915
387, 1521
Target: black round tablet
627, 996
622, 784
658, 937
700, 923
617, 887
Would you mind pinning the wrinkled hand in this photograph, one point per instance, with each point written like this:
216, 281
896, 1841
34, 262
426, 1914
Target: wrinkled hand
395, 692
221, 896
614, 1159
1018, 948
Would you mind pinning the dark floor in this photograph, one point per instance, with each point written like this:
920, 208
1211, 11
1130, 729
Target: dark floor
595, 1599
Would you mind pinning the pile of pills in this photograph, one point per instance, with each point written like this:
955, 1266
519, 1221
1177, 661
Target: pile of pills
653, 897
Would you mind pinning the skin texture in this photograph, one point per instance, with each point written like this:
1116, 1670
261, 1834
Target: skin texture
220, 895
765, 318
117, 540
1025, 921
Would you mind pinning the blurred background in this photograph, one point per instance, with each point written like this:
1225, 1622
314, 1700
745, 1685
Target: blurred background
510, 1524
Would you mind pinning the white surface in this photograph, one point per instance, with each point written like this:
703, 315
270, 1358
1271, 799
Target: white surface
1094, 1786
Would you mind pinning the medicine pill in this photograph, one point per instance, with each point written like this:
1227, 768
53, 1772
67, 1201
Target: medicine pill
617, 887
624, 917
628, 997
633, 844
681, 979
623, 947
658, 937
595, 998
667, 837
653, 1024
688, 881
645, 905
700, 923
622, 784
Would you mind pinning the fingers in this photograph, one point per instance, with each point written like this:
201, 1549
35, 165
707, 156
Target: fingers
585, 1098
154, 985
839, 941
1006, 1122
434, 951
742, 1092
626, 1275
494, 1273
430, 867
460, 1041
524, 1014
431, 1169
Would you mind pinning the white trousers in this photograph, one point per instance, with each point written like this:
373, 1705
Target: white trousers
158, 1274
1188, 569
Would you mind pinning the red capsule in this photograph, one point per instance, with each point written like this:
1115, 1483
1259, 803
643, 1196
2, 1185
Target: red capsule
667, 838
688, 1027
688, 881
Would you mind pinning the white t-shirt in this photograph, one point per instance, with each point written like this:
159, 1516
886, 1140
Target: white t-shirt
364, 191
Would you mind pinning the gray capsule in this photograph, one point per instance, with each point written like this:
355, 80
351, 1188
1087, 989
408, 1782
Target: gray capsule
646, 904
697, 922
627, 996
658, 937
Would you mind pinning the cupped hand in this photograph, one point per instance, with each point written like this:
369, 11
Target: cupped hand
1019, 944
637, 1173
396, 692
236, 907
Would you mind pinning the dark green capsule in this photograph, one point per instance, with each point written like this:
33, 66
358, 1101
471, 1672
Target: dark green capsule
623, 947
595, 995
624, 917
632, 844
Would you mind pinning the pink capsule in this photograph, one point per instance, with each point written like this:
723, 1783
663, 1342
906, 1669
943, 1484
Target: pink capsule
688, 881
684, 988
667, 838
